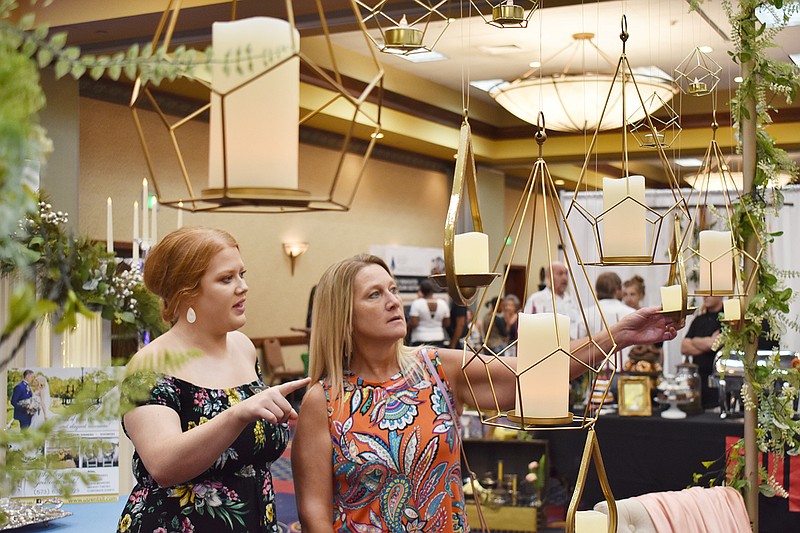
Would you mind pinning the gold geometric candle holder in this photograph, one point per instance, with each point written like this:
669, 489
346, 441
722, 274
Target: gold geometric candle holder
238, 77
624, 199
505, 13
698, 74
403, 32
720, 256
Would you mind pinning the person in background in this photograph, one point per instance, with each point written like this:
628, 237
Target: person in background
428, 317
459, 324
608, 288
633, 292
504, 326
699, 345
20, 396
377, 446
207, 432
542, 301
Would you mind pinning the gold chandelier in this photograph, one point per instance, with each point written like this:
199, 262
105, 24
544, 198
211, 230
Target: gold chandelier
253, 102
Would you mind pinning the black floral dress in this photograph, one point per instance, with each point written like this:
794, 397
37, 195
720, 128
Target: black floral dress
234, 494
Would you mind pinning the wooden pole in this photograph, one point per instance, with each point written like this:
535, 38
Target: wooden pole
748, 131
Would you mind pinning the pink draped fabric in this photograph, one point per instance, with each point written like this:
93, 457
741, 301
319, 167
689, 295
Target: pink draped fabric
697, 510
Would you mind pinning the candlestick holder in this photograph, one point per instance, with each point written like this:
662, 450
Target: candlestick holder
628, 210
233, 97
666, 122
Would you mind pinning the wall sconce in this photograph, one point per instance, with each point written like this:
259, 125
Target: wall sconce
294, 250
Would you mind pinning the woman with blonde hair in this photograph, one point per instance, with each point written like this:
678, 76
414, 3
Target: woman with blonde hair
377, 434
207, 433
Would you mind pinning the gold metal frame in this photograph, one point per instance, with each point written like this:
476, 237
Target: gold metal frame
714, 163
655, 218
539, 181
697, 74
625, 409
668, 127
375, 15
463, 288
591, 453
365, 122
500, 14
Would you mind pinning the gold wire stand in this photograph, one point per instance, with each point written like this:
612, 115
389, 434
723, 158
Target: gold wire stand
591, 452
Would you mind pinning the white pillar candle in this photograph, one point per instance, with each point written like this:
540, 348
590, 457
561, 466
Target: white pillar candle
671, 298
591, 522
544, 388
145, 194
260, 122
624, 226
135, 243
471, 253
154, 224
180, 215
716, 262
109, 227
732, 309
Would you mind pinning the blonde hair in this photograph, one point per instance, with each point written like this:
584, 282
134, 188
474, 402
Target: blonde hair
331, 344
176, 264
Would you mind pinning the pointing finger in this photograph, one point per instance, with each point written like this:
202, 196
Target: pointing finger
291, 386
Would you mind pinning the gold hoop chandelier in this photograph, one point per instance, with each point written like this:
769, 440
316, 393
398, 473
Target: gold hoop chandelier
253, 101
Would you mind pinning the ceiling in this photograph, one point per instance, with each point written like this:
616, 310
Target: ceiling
423, 102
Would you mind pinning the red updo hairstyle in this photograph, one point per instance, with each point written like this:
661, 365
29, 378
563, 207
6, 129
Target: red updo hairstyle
176, 264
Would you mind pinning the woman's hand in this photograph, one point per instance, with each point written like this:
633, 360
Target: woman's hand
270, 404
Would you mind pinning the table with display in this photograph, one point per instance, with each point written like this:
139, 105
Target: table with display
645, 454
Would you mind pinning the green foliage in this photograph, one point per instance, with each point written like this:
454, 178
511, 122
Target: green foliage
774, 388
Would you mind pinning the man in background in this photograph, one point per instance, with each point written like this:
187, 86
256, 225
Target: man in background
542, 301
22, 391
698, 343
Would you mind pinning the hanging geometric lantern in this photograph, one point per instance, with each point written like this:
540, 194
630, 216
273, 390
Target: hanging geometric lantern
667, 127
406, 32
543, 349
505, 13
698, 74
466, 255
719, 254
626, 230
252, 101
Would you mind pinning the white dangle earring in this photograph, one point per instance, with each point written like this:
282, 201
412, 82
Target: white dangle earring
191, 316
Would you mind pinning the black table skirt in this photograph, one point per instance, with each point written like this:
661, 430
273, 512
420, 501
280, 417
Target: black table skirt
653, 454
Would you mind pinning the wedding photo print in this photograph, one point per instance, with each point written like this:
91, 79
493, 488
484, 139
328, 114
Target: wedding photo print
71, 407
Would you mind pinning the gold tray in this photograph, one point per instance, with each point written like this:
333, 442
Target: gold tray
467, 280
676, 315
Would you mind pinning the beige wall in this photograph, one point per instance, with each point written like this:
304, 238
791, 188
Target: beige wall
394, 205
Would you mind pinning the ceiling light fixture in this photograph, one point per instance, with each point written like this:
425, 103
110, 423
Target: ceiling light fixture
560, 95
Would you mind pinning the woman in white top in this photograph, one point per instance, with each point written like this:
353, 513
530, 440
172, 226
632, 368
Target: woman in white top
429, 316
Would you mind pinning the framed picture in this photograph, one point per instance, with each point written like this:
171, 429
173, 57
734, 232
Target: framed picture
634, 396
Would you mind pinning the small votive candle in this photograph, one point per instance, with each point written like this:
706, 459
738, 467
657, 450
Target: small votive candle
650, 140
403, 35
732, 309
697, 87
671, 297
